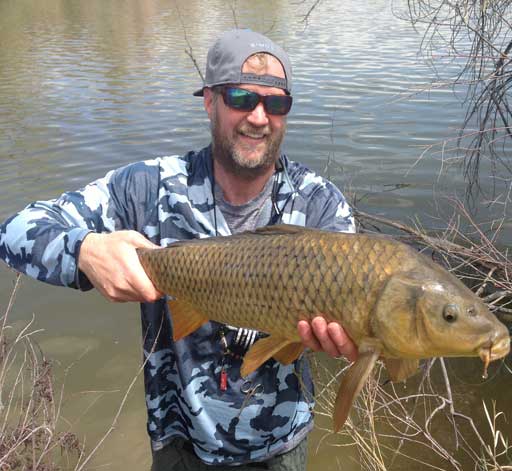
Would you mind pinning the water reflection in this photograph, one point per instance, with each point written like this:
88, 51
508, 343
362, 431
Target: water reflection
87, 86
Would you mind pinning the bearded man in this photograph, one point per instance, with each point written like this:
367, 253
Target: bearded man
88, 239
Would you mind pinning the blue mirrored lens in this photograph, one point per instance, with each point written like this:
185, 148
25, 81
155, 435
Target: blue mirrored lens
242, 99
278, 104
245, 100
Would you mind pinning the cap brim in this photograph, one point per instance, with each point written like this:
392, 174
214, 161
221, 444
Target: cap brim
198, 92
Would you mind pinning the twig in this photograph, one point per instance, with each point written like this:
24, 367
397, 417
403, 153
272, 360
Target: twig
233, 13
121, 405
9, 305
189, 51
305, 18
450, 399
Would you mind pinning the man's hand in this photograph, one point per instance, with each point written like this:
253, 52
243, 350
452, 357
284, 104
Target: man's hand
112, 266
327, 337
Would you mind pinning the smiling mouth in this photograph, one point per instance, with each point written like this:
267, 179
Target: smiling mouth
253, 136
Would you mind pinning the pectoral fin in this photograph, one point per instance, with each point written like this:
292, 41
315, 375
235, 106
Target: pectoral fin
352, 383
261, 351
185, 318
400, 369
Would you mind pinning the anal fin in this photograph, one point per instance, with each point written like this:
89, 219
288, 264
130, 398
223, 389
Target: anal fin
185, 318
261, 351
400, 369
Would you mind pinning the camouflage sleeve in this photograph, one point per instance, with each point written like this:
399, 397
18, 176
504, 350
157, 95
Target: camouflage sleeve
328, 209
43, 240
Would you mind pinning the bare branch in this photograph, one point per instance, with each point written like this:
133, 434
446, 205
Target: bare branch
474, 37
189, 51
305, 18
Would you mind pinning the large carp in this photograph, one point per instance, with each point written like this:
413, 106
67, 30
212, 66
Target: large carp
395, 303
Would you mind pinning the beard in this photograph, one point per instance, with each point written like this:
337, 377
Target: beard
238, 158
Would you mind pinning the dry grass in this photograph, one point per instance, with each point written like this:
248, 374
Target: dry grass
397, 427
32, 435
418, 425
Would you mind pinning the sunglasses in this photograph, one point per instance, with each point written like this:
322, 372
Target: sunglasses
245, 100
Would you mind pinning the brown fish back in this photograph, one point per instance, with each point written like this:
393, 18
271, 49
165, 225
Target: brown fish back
270, 278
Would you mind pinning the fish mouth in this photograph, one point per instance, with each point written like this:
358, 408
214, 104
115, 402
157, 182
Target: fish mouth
500, 348
494, 351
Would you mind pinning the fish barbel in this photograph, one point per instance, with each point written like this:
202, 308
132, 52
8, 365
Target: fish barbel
394, 303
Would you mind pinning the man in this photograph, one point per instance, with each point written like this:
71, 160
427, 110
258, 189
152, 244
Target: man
200, 412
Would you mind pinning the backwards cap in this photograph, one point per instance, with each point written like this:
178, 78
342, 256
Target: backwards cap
227, 56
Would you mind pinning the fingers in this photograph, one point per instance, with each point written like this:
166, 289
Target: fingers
319, 327
328, 337
139, 241
308, 337
134, 285
342, 343
111, 263
142, 289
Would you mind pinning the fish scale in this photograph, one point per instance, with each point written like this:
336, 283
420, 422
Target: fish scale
392, 301
256, 282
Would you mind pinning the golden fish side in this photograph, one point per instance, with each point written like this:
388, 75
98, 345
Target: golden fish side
375, 286
393, 302
269, 279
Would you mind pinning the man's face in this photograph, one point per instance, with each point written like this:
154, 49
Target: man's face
247, 142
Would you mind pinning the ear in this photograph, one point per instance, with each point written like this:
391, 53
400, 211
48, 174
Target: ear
208, 101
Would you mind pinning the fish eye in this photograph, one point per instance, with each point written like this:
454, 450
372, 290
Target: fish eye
450, 313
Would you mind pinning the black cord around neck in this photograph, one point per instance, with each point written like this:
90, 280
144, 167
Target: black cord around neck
214, 203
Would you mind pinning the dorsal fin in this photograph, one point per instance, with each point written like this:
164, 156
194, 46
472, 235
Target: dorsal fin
280, 229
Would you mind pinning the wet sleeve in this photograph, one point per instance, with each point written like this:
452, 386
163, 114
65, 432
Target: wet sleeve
43, 240
329, 210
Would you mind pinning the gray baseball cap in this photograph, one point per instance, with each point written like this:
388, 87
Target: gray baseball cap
227, 56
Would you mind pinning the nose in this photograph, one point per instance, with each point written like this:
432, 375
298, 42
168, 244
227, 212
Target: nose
258, 116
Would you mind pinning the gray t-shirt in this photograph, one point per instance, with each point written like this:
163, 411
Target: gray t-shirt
250, 215
240, 218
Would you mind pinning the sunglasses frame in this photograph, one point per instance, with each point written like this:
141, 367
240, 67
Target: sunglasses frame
265, 99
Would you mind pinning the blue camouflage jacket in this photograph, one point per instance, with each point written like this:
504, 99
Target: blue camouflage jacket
169, 199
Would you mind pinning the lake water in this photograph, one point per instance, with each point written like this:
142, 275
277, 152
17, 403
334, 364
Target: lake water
87, 86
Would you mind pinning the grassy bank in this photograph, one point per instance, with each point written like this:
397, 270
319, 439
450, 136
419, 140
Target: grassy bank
33, 435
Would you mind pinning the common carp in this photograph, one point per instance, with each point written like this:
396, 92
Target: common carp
395, 303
